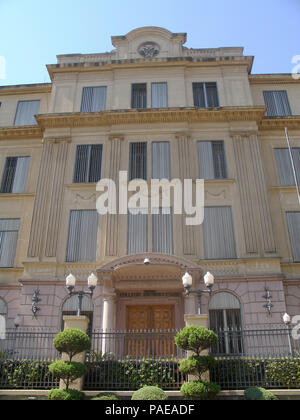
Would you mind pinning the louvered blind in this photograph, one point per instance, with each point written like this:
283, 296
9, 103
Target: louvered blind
159, 95
88, 163
15, 175
162, 231
26, 110
138, 161
9, 229
82, 238
137, 233
93, 99
218, 233
277, 103
161, 168
139, 95
284, 165
211, 157
293, 221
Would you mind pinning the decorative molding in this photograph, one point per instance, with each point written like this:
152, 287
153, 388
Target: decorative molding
28, 89
143, 116
57, 140
17, 133
116, 136
275, 123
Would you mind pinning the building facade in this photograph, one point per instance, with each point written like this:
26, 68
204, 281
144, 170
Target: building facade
155, 109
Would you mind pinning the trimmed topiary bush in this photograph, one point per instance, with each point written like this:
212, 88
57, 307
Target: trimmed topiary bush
106, 396
195, 339
65, 395
197, 365
67, 371
72, 342
200, 390
259, 394
149, 393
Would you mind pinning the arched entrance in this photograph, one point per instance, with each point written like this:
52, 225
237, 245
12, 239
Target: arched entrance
139, 296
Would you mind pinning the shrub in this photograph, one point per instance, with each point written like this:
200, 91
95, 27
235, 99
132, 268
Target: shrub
197, 365
67, 371
284, 371
72, 342
65, 395
195, 339
200, 390
149, 393
258, 394
106, 396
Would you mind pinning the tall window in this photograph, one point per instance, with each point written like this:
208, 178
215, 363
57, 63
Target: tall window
284, 165
161, 167
225, 320
137, 233
218, 233
205, 95
15, 175
139, 95
162, 231
277, 103
3, 316
9, 229
82, 237
26, 110
159, 95
88, 163
138, 161
293, 221
211, 157
93, 99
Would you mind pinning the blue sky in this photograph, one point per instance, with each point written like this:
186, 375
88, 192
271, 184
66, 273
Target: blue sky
33, 32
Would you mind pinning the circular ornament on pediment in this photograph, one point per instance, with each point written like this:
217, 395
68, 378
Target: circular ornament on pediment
149, 49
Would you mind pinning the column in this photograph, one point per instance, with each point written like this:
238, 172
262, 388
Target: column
109, 324
256, 214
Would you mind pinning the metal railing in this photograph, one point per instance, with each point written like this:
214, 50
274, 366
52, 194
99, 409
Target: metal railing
127, 360
25, 355
249, 356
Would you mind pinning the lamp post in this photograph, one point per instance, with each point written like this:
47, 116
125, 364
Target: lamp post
287, 320
70, 284
187, 282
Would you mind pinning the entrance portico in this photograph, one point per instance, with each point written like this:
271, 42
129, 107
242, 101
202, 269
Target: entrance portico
139, 296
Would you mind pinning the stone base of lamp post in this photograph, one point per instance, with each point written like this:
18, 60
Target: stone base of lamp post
198, 321
80, 323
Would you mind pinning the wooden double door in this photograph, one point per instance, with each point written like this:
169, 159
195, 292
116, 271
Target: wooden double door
149, 330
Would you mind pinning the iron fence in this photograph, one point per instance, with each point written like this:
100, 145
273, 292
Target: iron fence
126, 360
264, 355
25, 356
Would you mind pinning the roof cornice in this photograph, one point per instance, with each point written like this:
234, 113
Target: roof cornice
144, 116
274, 123
265, 79
16, 133
26, 89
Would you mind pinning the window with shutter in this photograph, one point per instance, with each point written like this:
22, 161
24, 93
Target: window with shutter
277, 103
15, 175
162, 231
138, 161
139, 95
284, 165
82, 237
137, 233
93, 99
218, 233
88, 163
9, 229
211, 158
159, 95
293, 221
205, 95
26, 110
161, 167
